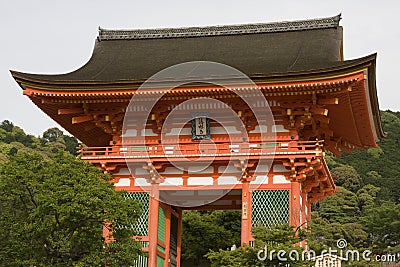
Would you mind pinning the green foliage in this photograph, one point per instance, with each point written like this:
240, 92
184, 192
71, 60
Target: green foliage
366, 197
383, 224
347, 177
10, 133
265, 252
52, 134
52, 142
52, 213
342, 207
70, 144
7, 126
205, 230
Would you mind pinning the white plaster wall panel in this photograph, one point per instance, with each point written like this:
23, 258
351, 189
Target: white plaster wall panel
141, 182
148, 132
218, 130
259, 129
260, 179
172, 181
225, 130
228, 180
123, 182
130, 133
200, 181
179, 131
278, 128
280, 179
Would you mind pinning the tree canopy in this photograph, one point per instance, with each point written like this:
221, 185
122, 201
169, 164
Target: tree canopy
52, 212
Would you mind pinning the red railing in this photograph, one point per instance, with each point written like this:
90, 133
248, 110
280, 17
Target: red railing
203, 149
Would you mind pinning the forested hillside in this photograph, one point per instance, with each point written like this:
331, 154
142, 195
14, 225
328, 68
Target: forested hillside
14, 139
366, 210
379, 166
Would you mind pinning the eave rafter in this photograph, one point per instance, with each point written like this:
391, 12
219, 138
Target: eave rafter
275, 88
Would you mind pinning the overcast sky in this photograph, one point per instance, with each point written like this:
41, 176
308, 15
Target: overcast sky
48, 36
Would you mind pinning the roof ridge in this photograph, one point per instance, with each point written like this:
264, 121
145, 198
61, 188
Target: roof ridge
161, 33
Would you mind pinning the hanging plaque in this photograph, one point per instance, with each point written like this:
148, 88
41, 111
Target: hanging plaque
200, 126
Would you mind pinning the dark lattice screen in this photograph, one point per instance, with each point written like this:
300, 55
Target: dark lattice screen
270, 207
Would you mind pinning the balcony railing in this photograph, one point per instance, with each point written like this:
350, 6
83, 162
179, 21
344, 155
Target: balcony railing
272, 149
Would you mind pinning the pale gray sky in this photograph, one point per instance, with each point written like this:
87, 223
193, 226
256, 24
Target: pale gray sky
47, 36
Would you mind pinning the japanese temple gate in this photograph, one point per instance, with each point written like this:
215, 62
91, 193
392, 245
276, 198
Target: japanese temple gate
317, 101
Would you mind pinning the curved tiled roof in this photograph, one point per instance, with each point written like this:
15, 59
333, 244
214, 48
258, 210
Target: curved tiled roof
255, 49
322, 23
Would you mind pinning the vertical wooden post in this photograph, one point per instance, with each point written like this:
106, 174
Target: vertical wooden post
304, 219
178, 250
308, 210
295, 204
167, 236
107, 232
153, 223
246, 212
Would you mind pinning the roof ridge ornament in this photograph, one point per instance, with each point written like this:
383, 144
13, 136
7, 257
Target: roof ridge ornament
161, 33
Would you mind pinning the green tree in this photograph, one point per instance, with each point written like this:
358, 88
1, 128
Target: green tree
278, 238
205, 230
347, 177
52, 213
383, 224
366, 197
52, 134
7, 125
71, 144
59, 141
342, 207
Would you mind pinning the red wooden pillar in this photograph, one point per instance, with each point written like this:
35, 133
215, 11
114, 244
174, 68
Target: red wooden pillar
107, 232
153, 224
246, 211
304, 219
295, 207
308, 203
167, 236
178, 250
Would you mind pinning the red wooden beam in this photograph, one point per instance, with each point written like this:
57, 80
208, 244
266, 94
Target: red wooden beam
64, 111
82, 119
